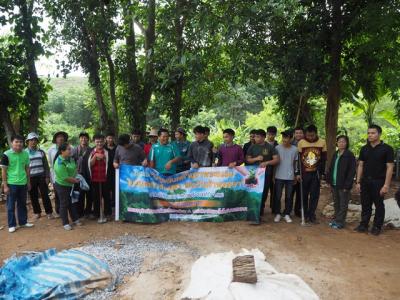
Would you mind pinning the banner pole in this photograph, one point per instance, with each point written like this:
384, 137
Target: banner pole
117, 194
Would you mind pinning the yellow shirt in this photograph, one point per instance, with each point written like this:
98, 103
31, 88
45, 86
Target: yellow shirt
311, 153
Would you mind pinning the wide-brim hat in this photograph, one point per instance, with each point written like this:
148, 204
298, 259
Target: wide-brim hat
32, 136
60, 133
153, 132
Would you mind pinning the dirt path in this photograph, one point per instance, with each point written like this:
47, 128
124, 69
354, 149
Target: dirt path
336, 264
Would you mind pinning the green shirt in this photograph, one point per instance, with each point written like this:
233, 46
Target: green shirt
266, 150
63, 169
161, 154
16, 164
335, 167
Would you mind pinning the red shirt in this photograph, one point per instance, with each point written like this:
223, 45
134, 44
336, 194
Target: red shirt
99, 173
147, 148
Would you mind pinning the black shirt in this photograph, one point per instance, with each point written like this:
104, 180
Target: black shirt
375, 160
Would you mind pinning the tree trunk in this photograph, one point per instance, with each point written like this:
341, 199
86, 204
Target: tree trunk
34, 90
179, 21
334, 88
95, 82
139, 96
113, 98
7, 123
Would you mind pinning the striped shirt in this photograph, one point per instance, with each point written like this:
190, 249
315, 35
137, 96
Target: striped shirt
37, 163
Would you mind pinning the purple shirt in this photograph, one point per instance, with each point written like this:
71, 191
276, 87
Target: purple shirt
228, 154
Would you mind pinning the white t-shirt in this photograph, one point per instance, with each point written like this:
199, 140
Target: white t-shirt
285, 169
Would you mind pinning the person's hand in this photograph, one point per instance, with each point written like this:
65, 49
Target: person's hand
232, 164
29, 186
195, 166
76, 180
298, 178
168, 166
145, 163
116, 165
384, 190
264, 164
6, 189
260, 158
99, 156
358, 188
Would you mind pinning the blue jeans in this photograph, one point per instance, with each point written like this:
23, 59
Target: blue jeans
279, 185
17, 194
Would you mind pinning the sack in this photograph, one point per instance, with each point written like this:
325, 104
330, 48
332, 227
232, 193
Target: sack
74, 195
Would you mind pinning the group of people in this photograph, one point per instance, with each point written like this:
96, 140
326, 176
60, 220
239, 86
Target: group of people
296, 165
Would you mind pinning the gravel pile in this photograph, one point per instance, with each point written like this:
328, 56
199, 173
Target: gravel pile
125, 255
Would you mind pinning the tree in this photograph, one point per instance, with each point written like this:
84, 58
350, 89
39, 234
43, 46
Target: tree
88, 28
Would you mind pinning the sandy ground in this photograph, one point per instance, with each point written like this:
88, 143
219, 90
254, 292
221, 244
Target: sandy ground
336, 264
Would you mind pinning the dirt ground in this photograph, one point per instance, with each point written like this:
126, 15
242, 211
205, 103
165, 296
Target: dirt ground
336, 264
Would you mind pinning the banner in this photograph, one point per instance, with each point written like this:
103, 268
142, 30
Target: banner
207, 194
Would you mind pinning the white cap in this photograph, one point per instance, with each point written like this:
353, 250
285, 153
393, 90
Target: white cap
32, 135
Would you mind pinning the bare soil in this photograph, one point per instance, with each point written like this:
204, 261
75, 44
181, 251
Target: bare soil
336, 264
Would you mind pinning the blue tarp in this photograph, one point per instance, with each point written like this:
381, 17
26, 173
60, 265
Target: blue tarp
70, 274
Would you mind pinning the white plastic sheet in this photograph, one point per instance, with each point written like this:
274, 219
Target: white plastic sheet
211, 278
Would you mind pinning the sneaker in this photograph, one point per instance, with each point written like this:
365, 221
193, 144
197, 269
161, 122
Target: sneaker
68, 227
11, 229
78, 223
36, 216
28, 225
50, 216
1, 227
288, 219
375, 231
56, 215
361, 228
337, 226
102, 220
333, 223
277, 218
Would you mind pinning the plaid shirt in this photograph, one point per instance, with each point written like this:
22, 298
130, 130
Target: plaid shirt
99, 168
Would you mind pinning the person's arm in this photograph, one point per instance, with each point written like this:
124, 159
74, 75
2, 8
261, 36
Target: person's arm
360, 169
252, 160
273, 162
61, 174
28, 176
46, 167
240, 156
388, 178
350, 174
116, 158
4, 165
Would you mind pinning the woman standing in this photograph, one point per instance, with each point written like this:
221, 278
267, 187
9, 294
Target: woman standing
341, 176
65, 170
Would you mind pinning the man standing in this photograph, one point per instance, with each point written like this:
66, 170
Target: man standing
183, 146
312, 151
265, 156
285, 176
250, 142
16, 182
153, 137
164, 156
98, 165
128, 153
59, 138
81, 155
298, 136
374, 175
200, 151
40, 177
230, 154
110, 147
137, 138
